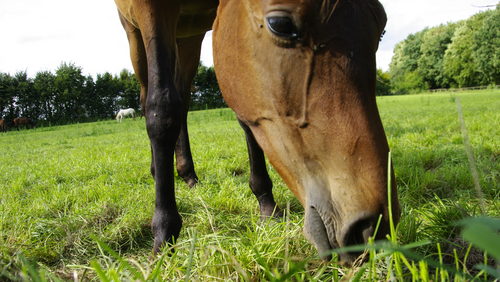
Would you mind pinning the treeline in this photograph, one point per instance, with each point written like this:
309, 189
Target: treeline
205, 93
461, 54
68, 96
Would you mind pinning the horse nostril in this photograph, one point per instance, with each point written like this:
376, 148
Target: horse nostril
359, 232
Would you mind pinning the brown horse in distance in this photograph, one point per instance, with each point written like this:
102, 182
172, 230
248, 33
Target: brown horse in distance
3, 125
300, 75
23, 121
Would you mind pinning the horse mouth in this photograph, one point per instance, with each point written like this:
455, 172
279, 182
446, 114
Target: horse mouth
316, 233
325, 238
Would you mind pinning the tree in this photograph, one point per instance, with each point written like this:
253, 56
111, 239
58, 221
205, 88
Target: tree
44, 84
412, 50
431, 63
108, 90
459, 63
69, 96
92, 103
206, 92
383, 86
7, 94
486, 49
130, 90
403, 68
70, 90
27, 101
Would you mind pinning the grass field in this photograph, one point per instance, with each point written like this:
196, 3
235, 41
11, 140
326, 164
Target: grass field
64, 189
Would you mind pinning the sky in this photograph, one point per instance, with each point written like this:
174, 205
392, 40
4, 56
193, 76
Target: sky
40, 35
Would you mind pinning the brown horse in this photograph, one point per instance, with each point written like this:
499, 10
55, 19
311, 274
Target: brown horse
300, 75
3, 125
23, 121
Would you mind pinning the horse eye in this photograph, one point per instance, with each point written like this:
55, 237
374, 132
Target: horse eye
282, 27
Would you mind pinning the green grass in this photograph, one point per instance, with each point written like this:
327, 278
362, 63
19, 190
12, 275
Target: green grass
66, 188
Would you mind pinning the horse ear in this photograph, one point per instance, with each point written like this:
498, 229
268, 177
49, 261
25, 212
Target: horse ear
380, 18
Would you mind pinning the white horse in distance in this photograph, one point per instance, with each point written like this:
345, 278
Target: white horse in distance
123, 113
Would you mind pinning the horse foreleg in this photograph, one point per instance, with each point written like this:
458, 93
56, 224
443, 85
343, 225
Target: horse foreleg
189, 57
157, 23
260, 182
163, 126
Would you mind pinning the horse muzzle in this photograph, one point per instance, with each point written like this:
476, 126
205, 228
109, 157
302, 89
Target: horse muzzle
327, 228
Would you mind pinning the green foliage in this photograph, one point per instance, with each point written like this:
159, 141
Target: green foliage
107, 91
431, 63
206, 94
6, 93
130, 91
461, 54
459, 62
69, 101
44, 84
412, 50
408, 82
383, 86
405, 77
487, 49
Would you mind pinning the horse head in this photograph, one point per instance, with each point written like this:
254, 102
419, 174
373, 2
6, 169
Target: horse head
301, 75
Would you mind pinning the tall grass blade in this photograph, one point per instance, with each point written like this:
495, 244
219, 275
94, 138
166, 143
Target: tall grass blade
264, 265
470, 155
100, 272
389, 197
360, 273
287, 238
191, 254
156, 271
393, 239
479, 231
295, 269
490, 270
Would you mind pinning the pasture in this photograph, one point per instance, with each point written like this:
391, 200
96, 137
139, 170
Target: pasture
66, 188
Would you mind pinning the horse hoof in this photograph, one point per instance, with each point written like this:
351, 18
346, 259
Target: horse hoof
276, 215
191, 181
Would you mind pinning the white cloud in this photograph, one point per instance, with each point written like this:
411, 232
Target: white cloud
206, 50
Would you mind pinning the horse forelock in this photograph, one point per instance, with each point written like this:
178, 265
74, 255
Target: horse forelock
327, 10
374, 15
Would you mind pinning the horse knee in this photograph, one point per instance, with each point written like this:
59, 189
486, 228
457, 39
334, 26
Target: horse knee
164, 123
